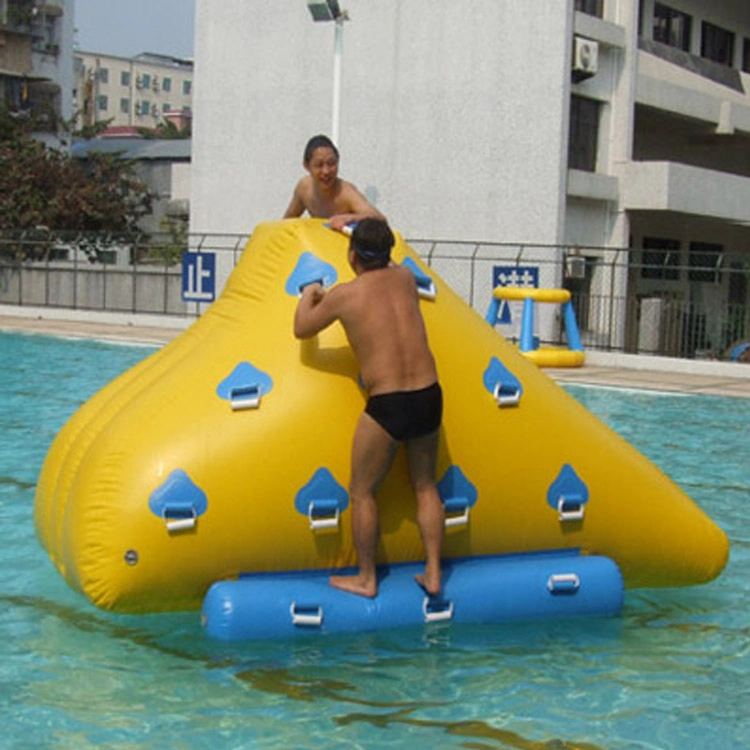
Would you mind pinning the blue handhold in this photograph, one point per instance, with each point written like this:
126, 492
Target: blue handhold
425, 284
501, 382
322, 496
178, 496
458, 495
569, 488
310, 270
456, 491
244, 376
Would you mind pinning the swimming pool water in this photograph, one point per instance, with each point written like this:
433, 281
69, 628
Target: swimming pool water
672, 672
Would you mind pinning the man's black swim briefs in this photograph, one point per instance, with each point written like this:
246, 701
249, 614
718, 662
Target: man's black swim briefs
405, 415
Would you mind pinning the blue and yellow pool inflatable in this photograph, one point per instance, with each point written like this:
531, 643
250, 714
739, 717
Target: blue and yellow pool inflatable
226, 454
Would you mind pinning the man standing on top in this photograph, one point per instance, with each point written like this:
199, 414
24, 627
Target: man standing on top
323, 194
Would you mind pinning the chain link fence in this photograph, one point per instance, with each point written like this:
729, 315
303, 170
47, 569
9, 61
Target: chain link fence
622, 303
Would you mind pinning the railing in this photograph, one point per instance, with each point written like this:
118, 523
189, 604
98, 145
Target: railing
621, 303
124, 273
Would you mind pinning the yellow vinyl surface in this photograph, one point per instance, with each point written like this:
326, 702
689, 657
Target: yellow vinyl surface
94, 504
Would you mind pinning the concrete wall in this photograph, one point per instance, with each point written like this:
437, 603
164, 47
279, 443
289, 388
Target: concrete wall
453, 119
106, 288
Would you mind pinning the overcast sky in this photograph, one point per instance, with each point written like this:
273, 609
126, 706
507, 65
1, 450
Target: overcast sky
129, 27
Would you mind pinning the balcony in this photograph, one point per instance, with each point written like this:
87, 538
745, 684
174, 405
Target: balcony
684, 189
17, 16
698, 89
15, 54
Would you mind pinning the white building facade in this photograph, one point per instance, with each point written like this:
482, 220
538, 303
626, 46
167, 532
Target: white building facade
596, 126
138, 92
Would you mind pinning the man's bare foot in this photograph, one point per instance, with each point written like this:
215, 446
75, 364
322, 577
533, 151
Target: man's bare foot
355, 584
430, 582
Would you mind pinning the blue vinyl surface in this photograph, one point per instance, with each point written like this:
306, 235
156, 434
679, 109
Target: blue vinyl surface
479, 590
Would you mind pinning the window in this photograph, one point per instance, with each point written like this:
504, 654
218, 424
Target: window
102, 103
660, 258
717, 44
186, 86
146, 80
125, 78
166, 84
584, 133
746, 55
125, 106
145, 108
672, 27
591, 7
704, 260
103, 75
166, 107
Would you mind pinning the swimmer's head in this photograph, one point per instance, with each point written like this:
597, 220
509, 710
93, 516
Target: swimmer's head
371, 243
316, 142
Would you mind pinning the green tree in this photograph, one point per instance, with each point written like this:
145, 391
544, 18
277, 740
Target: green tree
45, 186
166, 130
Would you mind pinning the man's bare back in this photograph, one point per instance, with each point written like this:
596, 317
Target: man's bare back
388, 337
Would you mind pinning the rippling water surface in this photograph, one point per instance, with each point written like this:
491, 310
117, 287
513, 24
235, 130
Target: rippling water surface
672, 672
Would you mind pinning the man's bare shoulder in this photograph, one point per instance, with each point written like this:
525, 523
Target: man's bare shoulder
350, 199
401, 272
304, 188
393, 280
348, 188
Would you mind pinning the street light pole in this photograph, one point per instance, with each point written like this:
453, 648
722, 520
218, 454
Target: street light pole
329, 10
338, 54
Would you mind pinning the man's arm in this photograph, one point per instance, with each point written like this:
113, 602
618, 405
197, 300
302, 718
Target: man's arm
316, 310
359, 208
296, 206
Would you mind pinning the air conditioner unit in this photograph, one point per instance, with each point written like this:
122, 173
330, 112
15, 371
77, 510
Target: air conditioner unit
585, 58
138, 82
575, 267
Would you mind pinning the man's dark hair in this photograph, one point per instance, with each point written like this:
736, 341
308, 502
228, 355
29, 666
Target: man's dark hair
318, 141
371, 242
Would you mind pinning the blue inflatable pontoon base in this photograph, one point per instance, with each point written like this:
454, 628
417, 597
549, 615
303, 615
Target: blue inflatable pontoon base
498, 589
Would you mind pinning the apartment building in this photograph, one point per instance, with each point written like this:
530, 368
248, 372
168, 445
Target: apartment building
584, 130
659, 146
137, 92
36, 61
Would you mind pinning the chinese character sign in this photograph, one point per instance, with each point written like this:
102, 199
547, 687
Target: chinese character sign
525, 276
198, 277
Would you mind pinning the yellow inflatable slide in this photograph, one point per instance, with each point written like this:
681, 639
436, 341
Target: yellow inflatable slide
227, 452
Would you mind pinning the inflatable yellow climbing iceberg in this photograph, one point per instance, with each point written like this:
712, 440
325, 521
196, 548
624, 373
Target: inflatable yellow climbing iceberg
227, 452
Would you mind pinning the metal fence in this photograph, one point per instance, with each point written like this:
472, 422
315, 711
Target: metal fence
123, 273
621, 302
